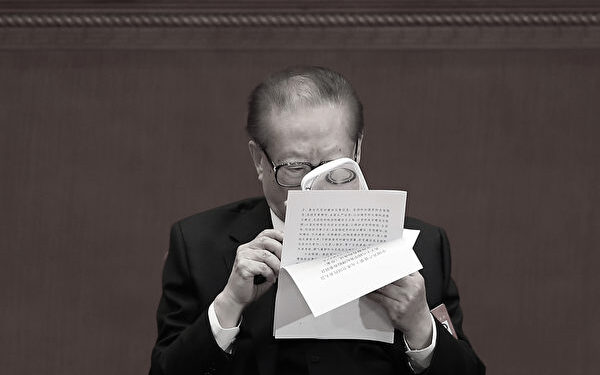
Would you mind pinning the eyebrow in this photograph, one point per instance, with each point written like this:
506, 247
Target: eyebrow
298, 161
353, 156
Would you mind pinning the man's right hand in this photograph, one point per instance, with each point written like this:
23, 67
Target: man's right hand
261, 256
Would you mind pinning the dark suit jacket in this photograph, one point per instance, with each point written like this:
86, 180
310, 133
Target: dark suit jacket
201, 254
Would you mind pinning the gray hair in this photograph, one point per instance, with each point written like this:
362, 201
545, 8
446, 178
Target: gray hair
303, 85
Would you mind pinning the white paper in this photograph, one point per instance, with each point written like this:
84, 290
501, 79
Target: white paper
330, 282
322, 224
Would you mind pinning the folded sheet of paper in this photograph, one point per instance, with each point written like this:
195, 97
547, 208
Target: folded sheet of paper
339, 246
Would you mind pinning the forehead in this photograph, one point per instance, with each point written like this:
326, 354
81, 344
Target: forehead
309, 131
322, 119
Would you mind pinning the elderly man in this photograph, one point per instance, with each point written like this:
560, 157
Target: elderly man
213, 317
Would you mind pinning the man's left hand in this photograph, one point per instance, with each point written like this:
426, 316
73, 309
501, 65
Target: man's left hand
406, 304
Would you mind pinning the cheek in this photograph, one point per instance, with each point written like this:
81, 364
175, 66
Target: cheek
276, 197
274, 193
278, 194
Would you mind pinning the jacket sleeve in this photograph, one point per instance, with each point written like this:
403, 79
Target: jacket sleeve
185, 342
452, 356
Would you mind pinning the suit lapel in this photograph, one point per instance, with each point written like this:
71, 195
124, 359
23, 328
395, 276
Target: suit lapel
257, 321
247, 226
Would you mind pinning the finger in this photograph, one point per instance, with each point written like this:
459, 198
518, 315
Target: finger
269, 244
381, 299
272, 233
249, 268
407, 280
263, 256
393, 292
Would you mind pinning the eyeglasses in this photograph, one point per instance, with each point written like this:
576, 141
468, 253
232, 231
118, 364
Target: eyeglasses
290, 174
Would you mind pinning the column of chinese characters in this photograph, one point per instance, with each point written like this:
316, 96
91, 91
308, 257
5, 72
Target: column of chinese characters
332, 230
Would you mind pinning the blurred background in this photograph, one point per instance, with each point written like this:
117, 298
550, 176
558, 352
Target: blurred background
119, 118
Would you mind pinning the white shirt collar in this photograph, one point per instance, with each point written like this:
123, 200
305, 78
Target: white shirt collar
277, 222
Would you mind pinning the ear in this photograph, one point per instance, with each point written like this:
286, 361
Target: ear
358, 147
257, 157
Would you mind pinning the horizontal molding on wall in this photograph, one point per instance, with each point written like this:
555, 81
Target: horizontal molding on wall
383, 5
279, 30
300, 19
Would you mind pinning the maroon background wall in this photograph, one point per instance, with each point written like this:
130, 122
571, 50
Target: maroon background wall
118, 119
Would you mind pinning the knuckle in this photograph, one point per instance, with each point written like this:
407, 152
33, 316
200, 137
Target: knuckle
264, 233
238, 261
399, 309
241, 266
264, 241
240, 269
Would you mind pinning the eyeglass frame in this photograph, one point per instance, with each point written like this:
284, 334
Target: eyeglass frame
276, 167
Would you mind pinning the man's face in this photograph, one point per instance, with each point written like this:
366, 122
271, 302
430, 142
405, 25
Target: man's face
308, 133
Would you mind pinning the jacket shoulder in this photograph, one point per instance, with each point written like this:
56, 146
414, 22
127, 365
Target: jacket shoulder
432, 239
221, 216
425, 228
